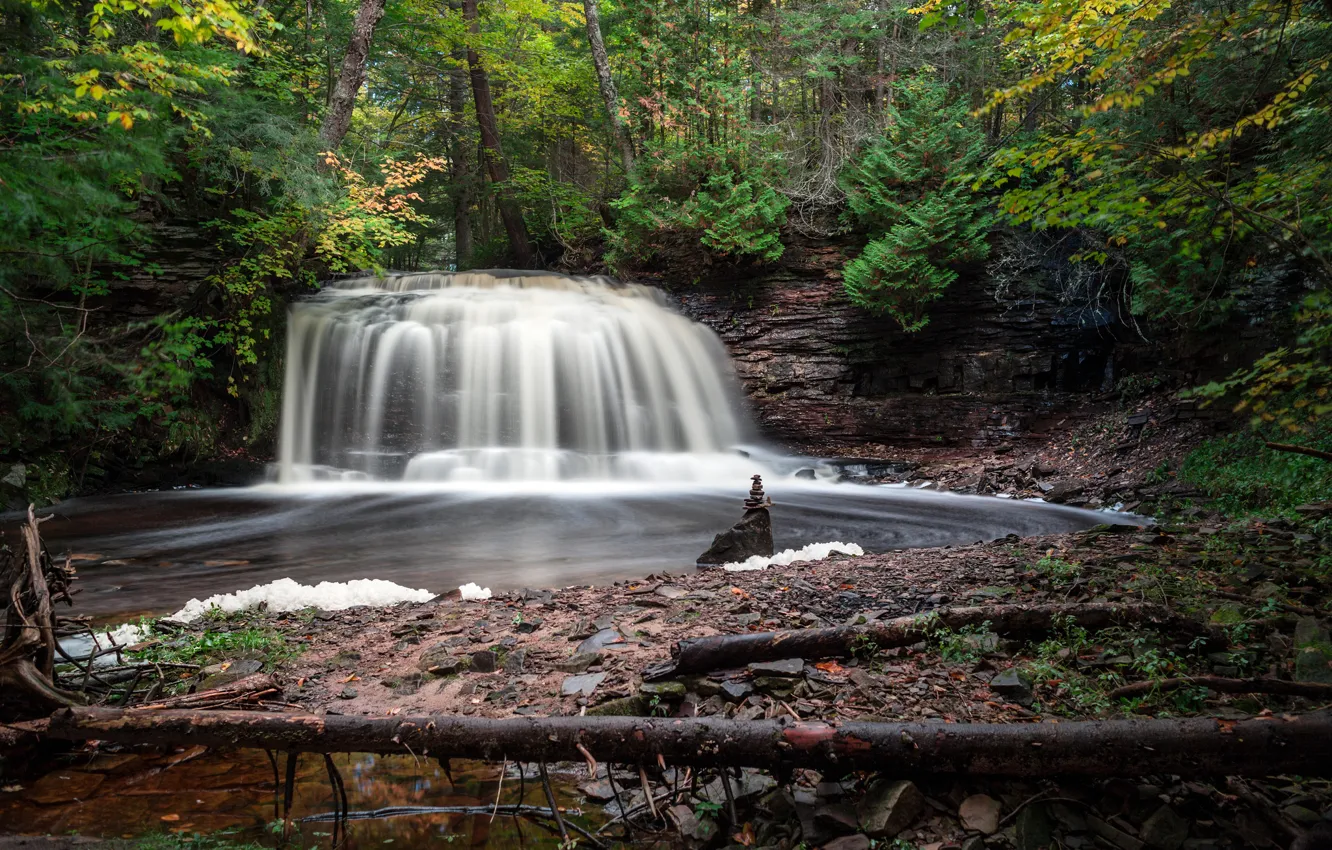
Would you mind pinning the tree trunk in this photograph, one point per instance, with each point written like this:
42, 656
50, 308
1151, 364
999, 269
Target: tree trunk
343, 100
721, 652
608, 93
460, 169
496, 168
1201, 746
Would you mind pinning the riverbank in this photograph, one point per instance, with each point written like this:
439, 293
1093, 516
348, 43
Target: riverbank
1258, 588
583, 650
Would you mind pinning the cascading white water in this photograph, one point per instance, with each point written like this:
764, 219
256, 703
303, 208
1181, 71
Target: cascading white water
504, 376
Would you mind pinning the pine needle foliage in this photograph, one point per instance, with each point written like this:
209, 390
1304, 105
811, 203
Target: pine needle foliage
910, 189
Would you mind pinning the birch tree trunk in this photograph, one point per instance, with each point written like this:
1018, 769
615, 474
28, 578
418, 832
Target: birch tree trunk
338, 118
608, 93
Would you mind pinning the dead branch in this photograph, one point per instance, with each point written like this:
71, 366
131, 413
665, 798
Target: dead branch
1135, 747
721, 652
29, 581
1280, 687
248, 690
1300, 450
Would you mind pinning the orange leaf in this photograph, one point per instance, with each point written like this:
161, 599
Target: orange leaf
829, 667
170, 818
351, 678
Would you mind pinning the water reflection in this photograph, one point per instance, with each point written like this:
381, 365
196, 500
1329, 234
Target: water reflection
197, 791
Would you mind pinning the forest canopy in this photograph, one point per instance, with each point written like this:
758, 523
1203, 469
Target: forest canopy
1178, 152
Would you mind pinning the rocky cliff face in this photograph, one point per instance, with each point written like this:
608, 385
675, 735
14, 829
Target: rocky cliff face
820, 372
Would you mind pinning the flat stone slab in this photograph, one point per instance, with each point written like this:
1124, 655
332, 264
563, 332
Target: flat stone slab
786, 667
584, 684
600, 640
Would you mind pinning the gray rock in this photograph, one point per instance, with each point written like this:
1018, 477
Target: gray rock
785, 667
836, 818
736, 691
1014, 686
889, 807
449, 666
778, 686
1165, 830
752, 535
602, 639
849, 842
634, 706
1034, 829
484, 661
599, 790
1061, 491
578, 663
980, 813
584, 684
514, 661
1313, 652
1303, 816
664, 690
215, 677
347, 693
1118, 838
698, 831
434, 656
526, 627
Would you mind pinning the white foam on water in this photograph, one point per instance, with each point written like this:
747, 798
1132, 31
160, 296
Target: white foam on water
123, 635
472, 592
286, 594
812, 552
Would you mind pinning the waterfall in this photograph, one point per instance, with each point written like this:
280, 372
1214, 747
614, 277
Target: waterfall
504, 376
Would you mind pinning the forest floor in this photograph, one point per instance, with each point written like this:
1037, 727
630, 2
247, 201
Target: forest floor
583, 650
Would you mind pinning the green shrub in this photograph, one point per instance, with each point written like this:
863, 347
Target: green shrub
720, 197
909, 190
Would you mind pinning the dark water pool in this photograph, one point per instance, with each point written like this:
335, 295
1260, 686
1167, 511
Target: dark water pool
151, 552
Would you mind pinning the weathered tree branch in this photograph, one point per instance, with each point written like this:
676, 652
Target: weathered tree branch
720, 652
1280, 687
1300, 450
1189, 747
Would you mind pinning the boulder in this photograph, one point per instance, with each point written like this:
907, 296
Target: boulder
751, 536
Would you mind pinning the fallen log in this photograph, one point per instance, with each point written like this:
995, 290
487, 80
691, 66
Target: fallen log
1278, 687
721, 652
1137, 747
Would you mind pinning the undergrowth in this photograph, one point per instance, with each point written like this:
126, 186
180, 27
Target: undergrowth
1243, 477
171, 841
208, 647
